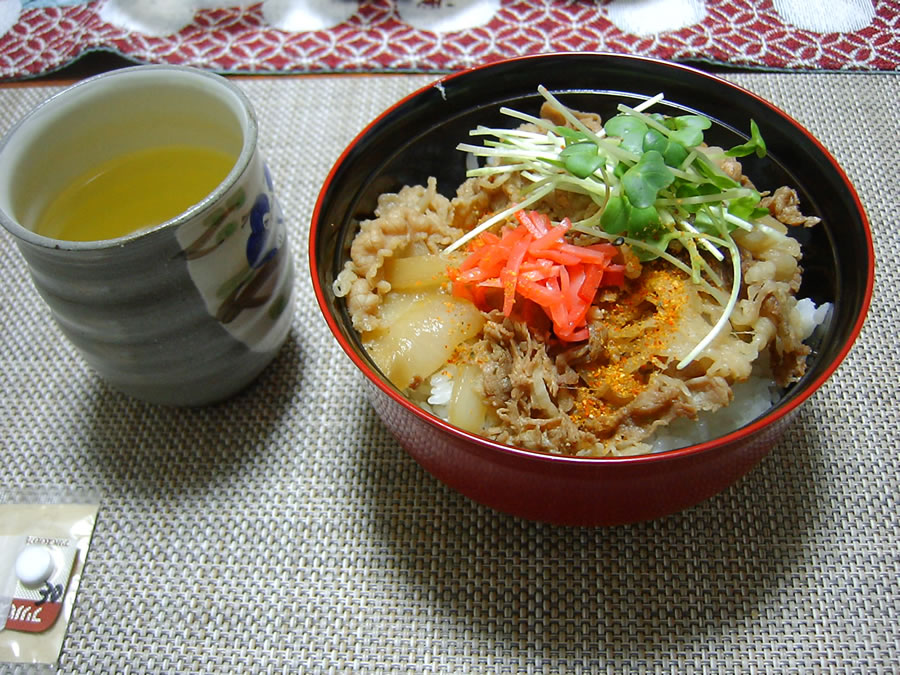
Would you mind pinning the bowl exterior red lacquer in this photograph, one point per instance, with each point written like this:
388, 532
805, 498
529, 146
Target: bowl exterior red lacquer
416, 138
572, 491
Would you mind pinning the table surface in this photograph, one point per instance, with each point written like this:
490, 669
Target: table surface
286, 531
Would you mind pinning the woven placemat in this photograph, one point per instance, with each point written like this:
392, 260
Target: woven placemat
286, 531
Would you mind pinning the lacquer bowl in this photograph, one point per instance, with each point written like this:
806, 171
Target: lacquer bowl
416, 138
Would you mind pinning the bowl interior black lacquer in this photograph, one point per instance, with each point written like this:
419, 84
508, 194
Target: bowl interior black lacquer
417, 137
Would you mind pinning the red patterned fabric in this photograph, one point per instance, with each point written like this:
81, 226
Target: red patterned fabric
375, 39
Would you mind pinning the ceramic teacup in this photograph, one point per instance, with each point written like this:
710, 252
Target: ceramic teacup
184, 312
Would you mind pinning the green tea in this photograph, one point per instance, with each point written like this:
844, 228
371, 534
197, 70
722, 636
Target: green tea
134, 191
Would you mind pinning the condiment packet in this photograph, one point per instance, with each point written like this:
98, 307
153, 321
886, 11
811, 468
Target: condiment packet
44, 539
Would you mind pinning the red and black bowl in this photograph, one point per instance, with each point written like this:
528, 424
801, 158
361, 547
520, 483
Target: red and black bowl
416, 138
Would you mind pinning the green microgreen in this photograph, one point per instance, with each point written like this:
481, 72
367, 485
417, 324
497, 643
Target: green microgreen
616, 215
643, 181
688, 130
582, 159
630, 129
755, 144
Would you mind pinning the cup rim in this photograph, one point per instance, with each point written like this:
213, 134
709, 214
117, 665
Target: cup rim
248, 148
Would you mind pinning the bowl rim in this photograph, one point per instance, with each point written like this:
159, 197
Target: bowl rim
781, 412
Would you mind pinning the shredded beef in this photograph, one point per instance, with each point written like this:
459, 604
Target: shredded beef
784, 205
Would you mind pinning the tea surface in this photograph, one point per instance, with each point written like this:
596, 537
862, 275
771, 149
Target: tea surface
134, 191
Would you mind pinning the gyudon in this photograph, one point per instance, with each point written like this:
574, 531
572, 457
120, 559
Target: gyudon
591, 283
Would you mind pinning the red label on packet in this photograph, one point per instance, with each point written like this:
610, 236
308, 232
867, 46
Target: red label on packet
31, 617
43, 568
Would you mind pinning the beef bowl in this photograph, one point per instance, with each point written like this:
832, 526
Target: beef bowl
623, 233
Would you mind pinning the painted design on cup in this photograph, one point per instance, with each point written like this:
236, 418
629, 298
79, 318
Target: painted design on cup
246, 238
249, 291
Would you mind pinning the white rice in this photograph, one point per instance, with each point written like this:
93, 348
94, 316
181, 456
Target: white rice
807, 317
439, 392
752, 397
